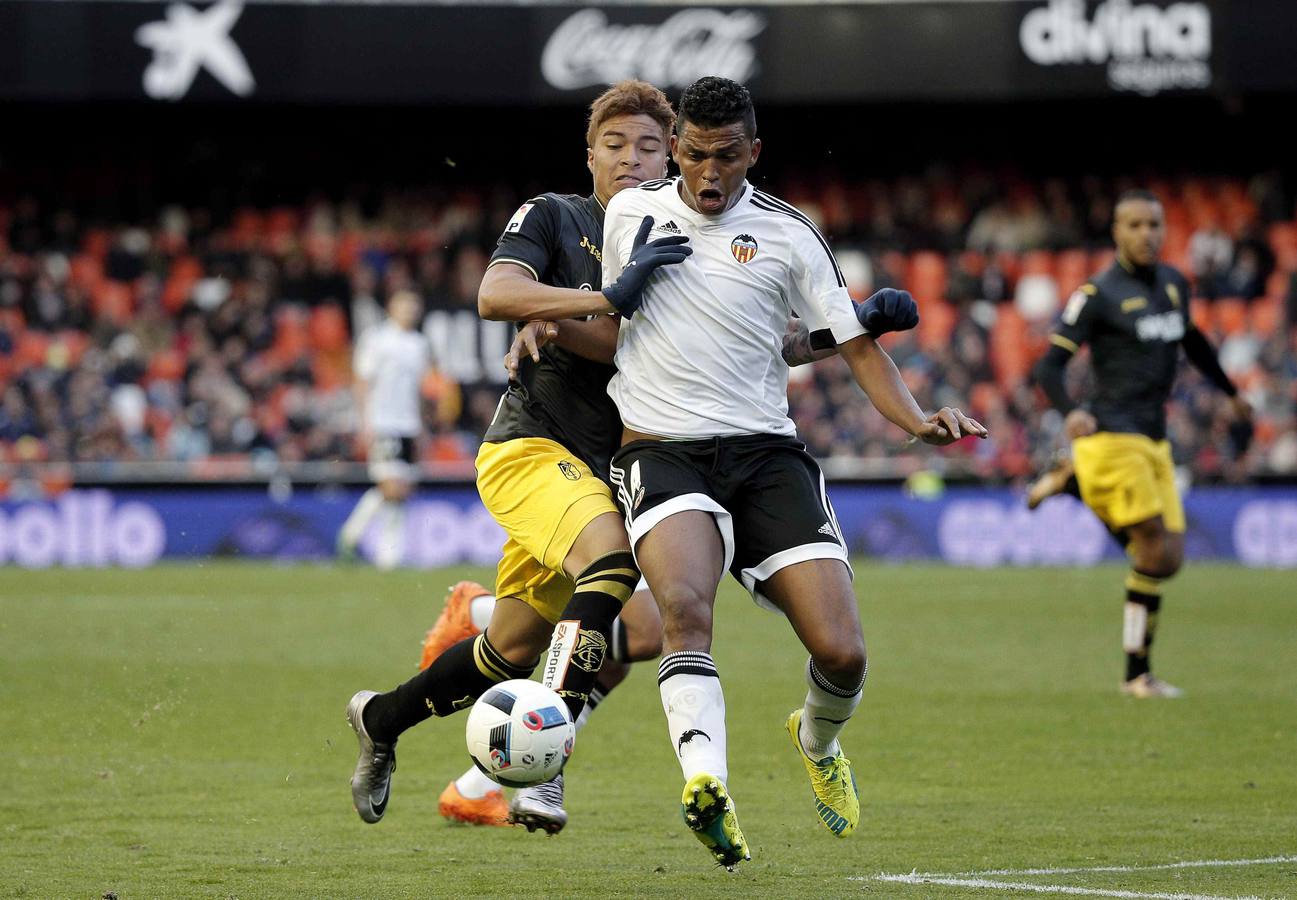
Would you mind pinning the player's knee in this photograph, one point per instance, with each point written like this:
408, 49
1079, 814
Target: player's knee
1160, 560
842, 663
686, 616
1172, 560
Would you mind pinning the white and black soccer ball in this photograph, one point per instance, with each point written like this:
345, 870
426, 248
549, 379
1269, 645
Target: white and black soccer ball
520, 733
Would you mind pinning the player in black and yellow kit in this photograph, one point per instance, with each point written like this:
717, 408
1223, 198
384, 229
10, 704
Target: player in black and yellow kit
1135, 317
567, 561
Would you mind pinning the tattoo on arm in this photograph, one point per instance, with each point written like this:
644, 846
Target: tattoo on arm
797, 348
801, 345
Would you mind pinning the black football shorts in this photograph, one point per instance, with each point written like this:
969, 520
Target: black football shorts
765, 492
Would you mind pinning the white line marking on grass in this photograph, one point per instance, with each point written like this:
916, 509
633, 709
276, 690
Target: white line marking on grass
988, 884
1186, 864
978, 879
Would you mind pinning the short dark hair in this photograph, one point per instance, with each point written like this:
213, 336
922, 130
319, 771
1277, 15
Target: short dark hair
1136, 194
713, 101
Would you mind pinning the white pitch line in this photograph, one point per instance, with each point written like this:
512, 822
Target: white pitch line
1186, 864
989, 884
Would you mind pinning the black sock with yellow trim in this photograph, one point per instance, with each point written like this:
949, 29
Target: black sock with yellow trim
582, 638
1143, 600
453, 681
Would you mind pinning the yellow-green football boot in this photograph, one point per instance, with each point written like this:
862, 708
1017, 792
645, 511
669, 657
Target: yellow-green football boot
837, 799
709, 812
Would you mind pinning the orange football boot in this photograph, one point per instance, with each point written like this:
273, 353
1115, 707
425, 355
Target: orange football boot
488, 810
454, 624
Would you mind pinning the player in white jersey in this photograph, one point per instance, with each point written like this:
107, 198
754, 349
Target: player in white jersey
710, 475
390, 363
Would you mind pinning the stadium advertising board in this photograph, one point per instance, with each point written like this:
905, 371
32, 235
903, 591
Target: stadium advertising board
367, 53
447, 526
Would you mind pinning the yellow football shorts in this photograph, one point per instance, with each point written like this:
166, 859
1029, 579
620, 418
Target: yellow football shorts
542, 496
1127, 478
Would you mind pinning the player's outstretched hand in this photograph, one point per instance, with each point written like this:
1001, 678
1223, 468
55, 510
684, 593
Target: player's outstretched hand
888, 310
627, 292
529, 339
947, 425
1079, 423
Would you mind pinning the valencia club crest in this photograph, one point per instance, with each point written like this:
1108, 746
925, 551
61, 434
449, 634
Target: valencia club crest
744, 247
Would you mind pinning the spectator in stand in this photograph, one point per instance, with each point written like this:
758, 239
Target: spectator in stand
1211, 251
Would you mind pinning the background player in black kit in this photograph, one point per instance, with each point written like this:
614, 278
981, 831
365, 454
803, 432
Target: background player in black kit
1135, 317
567, 558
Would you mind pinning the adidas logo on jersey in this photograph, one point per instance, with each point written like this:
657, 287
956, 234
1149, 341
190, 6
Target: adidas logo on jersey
670, 227
826, 528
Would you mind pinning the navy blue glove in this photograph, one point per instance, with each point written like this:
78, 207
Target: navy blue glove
627, 292
888, 310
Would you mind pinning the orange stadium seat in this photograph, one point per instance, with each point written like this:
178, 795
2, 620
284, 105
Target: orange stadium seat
96, 243
926, 277
1038, 262
1283, 240
936, 322
350, 245
112, 300
331, 370
972, 262
984, 398
32, 349
1010, 264
328, 329
1008, 347
896, 265
1200, 311
1073, 270
165, 365
1231, 316
85, 271
291, 336
11, 319
1266, 316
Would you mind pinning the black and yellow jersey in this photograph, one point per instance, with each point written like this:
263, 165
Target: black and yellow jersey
564, 397
1134, 321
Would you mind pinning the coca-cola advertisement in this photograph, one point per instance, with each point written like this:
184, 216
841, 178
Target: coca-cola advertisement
234, 51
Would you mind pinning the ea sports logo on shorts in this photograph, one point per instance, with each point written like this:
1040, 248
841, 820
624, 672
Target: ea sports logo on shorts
744, 247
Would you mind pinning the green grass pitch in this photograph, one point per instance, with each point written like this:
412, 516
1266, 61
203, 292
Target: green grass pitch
179, 732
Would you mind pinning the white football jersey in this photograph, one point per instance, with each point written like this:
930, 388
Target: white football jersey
394, 362
703, 355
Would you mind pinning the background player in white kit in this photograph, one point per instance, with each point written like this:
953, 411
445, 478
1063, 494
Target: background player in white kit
390, 363
710, 475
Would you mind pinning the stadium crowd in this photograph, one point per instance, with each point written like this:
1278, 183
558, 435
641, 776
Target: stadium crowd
185, 338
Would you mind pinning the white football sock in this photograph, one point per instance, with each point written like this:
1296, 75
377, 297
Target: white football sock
1134, 633
474, 785
695, 708
354, 528
390, 548
825, 713
480, 609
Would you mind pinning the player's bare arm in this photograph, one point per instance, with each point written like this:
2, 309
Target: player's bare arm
594, 339
878, 377
510, 293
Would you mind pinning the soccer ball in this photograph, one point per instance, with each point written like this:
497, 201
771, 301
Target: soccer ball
520, 733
